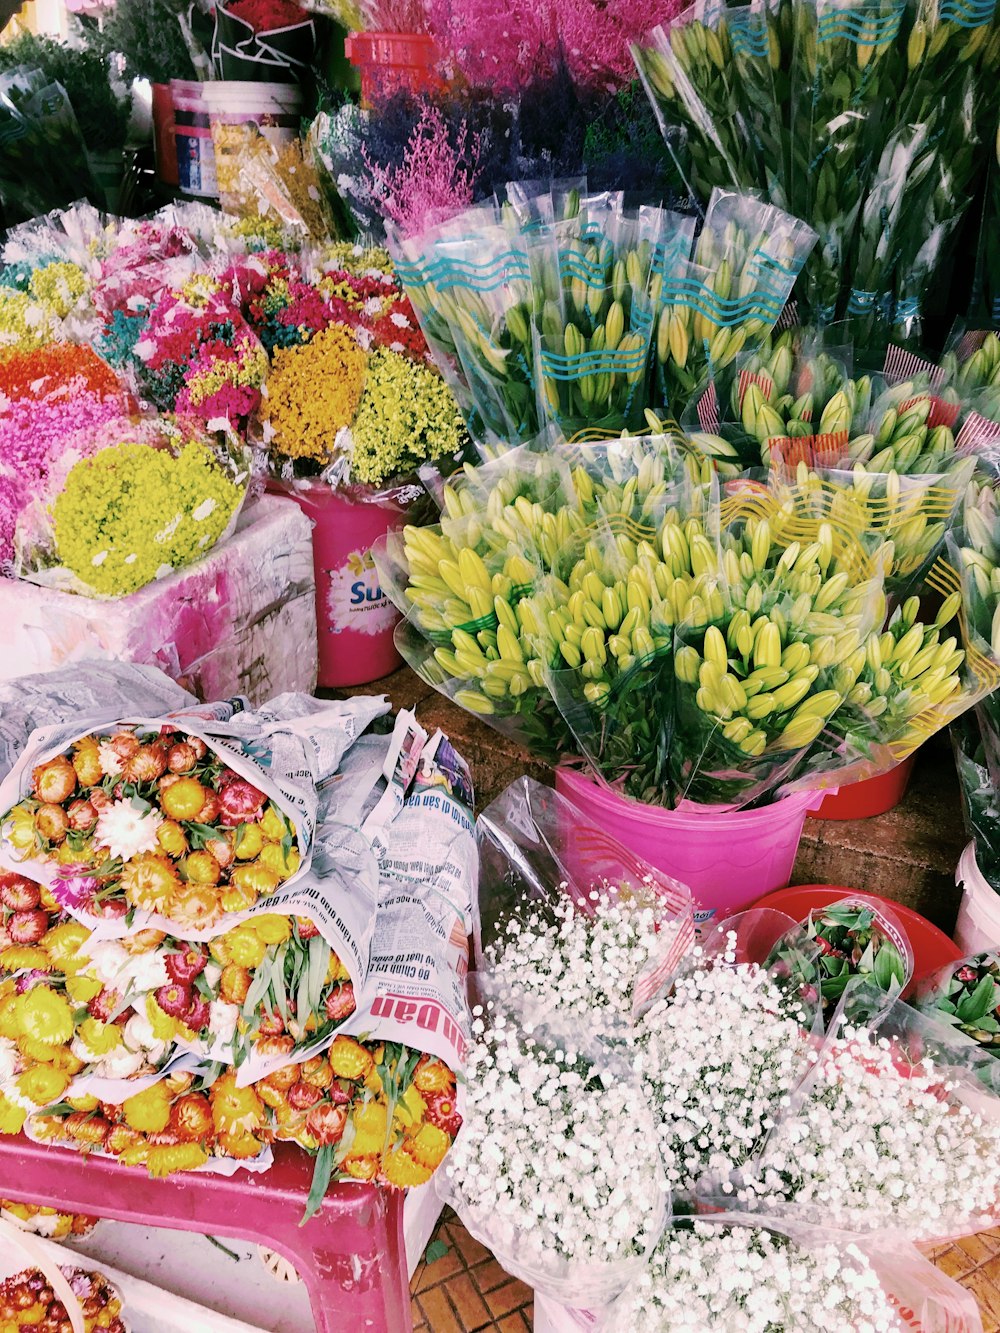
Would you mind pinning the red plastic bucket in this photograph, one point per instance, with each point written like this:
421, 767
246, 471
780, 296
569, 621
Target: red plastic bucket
391, 61
164, 143
873, 796
354, 618
726, 858
931, 947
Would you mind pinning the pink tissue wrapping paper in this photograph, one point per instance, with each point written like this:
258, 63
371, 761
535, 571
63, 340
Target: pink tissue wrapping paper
241, 621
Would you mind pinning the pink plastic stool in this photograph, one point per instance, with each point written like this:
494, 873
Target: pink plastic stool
350, 1255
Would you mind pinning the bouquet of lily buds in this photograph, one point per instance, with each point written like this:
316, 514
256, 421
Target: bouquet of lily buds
567, 309
605, 601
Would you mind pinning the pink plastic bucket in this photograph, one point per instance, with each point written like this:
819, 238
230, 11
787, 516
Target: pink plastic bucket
354, 618
727, 859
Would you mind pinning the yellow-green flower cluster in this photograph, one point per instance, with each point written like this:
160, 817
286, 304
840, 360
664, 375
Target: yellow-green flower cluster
261, 232
313, 391
59, 286
407, 416
24, 323
347, 257
133, 512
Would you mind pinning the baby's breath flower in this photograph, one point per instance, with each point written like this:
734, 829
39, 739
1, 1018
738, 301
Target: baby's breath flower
719, 1058
875, 1146
709, 1277
554, 1164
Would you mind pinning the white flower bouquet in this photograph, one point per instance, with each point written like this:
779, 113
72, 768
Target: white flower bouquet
727, 1273
898, 1127
570, 923
556, 1168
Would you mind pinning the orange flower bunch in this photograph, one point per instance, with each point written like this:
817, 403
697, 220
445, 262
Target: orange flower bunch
154, 821
369, 1110
174, 1125
27, 1301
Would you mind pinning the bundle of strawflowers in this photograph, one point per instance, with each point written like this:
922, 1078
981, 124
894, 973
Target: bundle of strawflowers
157, 821
28, 1301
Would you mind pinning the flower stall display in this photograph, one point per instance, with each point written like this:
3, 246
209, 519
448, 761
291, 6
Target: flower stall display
652, 650
164, 1051
547, 311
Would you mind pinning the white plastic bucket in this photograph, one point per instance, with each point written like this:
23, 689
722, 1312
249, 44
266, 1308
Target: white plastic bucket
978, 924
193, 136
238, 111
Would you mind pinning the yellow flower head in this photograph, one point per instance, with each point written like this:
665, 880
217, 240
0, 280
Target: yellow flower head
43, 1084
12, 1117
46, 1016
165, 1160
101, 1038
148, 1111
271, 928
313, 391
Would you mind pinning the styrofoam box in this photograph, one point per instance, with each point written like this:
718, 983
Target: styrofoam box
240, 621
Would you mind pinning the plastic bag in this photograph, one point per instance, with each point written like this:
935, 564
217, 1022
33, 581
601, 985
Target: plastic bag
858, 937
90, 533
548, 880
829, 1279
754, 974
966, 996
577, 1223
732, 292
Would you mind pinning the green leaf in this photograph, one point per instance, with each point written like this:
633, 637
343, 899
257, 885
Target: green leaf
977, 1003
319, 965
889, 967
436, 1250
322, 1172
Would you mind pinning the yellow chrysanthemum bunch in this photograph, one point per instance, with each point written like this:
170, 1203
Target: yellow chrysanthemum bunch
133, 511
313, 391
407, 416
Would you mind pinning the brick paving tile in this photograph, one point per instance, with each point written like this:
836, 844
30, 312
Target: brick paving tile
466, 1290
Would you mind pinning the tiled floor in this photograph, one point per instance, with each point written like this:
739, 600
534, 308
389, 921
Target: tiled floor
466, 1290
975, 1262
